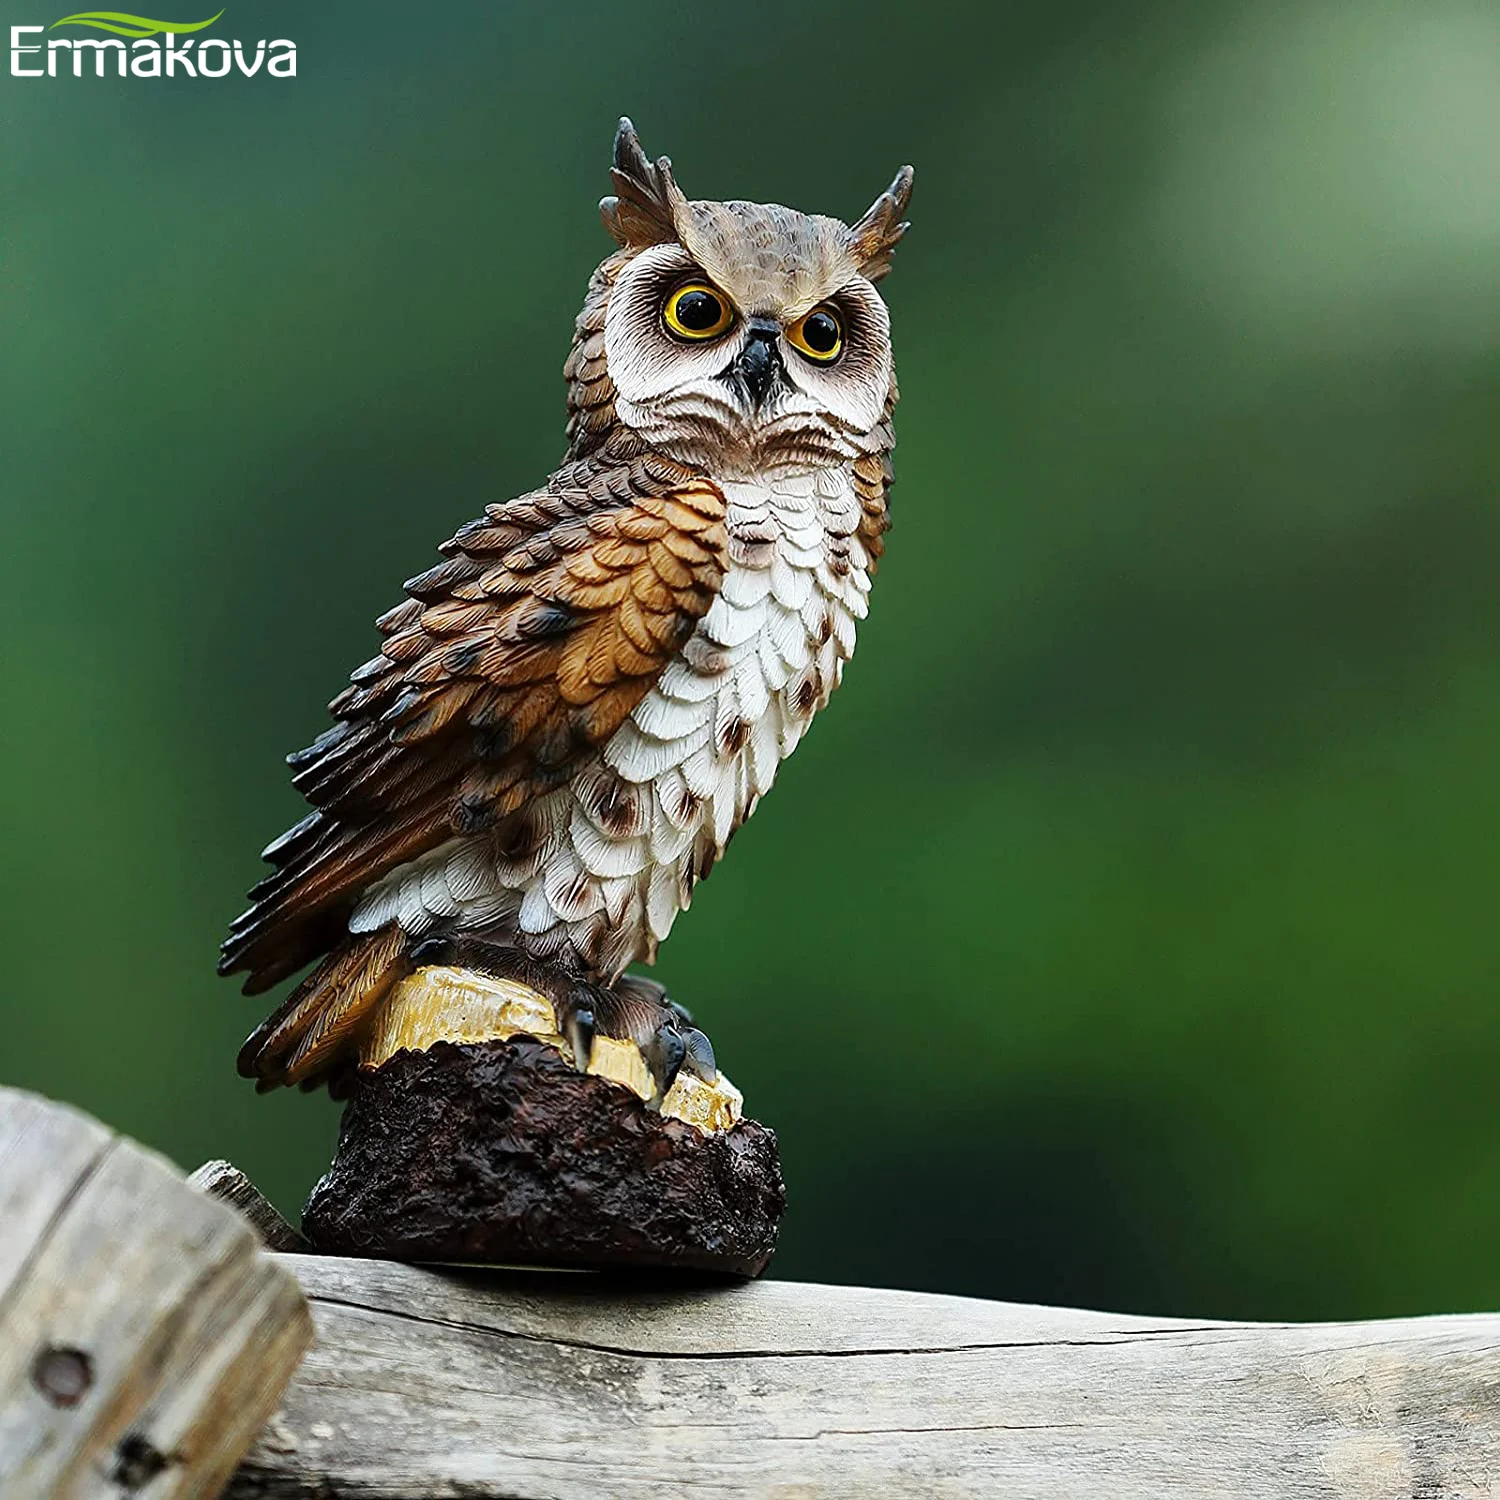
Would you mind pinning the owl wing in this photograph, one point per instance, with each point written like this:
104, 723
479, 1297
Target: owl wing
526, 648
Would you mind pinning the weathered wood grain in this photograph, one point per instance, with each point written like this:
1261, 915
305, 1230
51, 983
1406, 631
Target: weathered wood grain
144, 1336
573, 1387
224, 1181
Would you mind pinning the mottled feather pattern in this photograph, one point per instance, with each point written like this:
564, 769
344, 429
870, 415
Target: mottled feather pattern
620, 846
514, 658
591, 392
873, 477
774, 256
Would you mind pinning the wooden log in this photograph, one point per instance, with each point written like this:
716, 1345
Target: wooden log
575, 1387
144, 1335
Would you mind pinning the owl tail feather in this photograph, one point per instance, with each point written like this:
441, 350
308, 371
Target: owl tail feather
310, 1034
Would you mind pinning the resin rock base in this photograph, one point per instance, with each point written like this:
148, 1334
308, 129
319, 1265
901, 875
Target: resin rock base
501, 1153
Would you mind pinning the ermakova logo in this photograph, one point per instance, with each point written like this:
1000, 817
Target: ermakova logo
145, 58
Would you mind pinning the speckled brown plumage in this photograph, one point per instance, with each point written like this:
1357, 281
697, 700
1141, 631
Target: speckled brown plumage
527, 646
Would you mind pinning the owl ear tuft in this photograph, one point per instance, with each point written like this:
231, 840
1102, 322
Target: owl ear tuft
876, 235
647, 207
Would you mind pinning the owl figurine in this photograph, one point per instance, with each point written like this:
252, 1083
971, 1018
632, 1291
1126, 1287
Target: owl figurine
572, 713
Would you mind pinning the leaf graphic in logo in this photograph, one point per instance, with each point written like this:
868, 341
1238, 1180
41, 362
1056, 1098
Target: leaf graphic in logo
123, 24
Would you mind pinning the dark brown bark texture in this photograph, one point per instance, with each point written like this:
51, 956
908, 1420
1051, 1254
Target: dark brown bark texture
501, 1153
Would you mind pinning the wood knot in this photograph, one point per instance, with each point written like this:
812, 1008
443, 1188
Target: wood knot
63, 1376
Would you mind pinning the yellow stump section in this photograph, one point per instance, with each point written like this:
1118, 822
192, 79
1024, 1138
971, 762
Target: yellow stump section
444, 1004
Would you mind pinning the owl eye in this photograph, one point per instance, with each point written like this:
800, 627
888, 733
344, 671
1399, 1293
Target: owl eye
697, 312
819, 335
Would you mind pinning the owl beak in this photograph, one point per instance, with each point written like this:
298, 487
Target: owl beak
758, 367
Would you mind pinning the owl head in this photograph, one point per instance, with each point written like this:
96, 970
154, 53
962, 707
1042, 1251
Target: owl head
734, 335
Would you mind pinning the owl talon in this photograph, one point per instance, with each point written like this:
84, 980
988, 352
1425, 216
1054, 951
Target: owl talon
579, 1026
665, 1054
432, 952
700, 1055
640, 1010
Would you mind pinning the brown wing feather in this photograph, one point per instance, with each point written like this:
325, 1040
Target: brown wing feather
545, 625
873, 477
304, 1037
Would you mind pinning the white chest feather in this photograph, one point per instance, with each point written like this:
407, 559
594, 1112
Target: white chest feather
627, 838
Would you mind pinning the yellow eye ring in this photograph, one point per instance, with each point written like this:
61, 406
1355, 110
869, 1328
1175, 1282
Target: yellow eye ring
697, 312
818, 335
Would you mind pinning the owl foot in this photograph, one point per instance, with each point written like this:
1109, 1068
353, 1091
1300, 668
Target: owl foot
639, 1010
634, 1009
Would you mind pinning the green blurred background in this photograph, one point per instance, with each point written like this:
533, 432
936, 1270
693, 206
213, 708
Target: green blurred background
1125, 933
